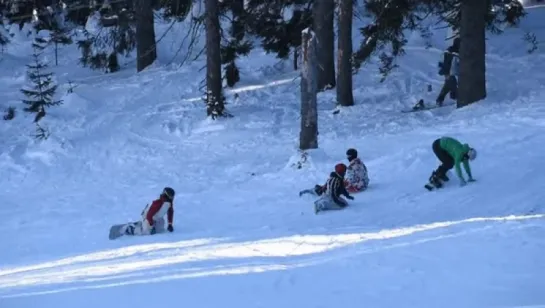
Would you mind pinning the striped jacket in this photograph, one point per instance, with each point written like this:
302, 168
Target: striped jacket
334, 188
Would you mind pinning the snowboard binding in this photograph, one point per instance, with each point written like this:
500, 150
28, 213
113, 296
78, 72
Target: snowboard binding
434, 182
419, 105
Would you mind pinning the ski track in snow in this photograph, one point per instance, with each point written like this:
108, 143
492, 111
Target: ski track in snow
242, 233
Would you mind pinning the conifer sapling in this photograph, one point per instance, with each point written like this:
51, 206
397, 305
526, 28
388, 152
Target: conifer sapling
40, 88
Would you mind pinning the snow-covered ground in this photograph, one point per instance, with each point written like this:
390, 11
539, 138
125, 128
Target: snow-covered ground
243, 237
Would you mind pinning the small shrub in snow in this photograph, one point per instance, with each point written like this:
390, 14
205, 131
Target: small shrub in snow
299, 161
9, 113
309, 160
532, 41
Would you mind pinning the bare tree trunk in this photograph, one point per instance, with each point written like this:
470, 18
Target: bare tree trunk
472, 83
295, 58
146, 51
344, 54
308, 138
56, 54
214, 95
323, 16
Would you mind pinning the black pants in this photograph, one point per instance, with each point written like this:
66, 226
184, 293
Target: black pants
447, 162
449, 87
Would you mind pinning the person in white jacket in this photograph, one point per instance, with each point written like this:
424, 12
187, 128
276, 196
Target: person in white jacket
357, 178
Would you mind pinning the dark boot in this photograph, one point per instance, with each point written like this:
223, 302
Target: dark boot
443, 177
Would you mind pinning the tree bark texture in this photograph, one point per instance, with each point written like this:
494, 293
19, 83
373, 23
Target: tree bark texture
146, 50
308, 138
214, 101
344, 54
323, 12
472, 77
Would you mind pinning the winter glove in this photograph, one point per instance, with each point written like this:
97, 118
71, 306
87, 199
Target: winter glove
170, 228
349, 197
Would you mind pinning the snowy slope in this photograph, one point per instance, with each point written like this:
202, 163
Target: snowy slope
243, 237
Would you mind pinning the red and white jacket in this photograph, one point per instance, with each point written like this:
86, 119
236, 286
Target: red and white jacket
157, 209
356, 178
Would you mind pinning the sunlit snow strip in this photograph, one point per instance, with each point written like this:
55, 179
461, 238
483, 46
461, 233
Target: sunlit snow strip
250, 88
239, 270
106, 255
66, 271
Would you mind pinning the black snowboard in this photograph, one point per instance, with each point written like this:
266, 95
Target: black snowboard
431, 186
420, 106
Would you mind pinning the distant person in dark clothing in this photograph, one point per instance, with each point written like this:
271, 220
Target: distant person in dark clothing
449, 69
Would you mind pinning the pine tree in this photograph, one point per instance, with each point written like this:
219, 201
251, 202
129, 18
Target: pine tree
236, 44
40, 88
19, 11
106, 36
177, 9
4, 36
279, 32
60, 32
9, 112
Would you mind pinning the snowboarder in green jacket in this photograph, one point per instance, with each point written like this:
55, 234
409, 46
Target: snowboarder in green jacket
452, 153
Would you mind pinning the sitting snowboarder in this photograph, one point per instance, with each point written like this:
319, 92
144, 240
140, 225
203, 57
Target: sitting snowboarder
153, 216
357, 179
331, 192
451, 153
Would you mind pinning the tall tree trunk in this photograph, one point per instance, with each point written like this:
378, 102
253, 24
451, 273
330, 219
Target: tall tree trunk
214, 95
308, 138
344, 54
323, 14
472, 83
146, 50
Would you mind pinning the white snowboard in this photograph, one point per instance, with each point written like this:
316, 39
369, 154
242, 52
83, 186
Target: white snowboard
117, 230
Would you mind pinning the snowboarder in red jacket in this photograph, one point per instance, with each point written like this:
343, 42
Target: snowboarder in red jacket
153, 215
